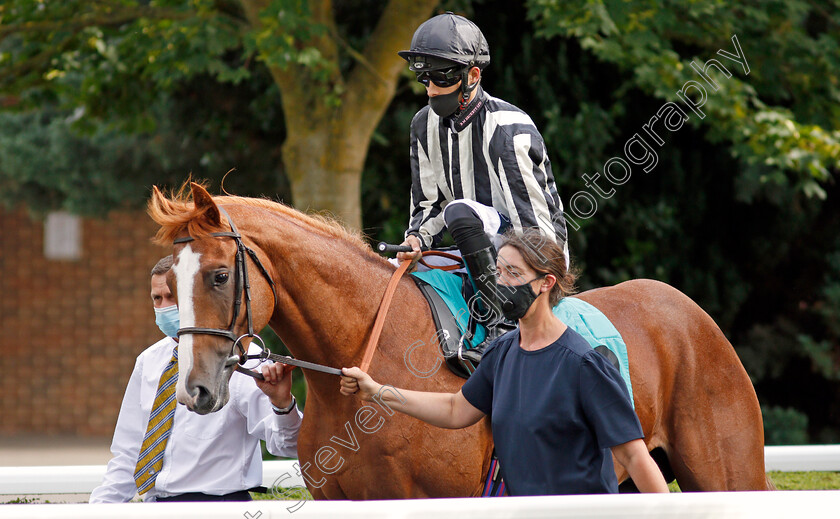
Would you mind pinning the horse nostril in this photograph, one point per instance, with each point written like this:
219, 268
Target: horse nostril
204, 398
191, 391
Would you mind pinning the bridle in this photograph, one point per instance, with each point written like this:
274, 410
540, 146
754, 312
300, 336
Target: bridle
242, 285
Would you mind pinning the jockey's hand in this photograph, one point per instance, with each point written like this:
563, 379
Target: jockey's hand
356, 382
413, 242
277, 384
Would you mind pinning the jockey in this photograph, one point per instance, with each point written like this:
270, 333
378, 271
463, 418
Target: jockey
478, 164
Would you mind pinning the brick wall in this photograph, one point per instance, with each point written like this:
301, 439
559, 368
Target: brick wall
70, 330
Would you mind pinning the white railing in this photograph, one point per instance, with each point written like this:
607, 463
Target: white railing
83, 479
794, 458
761, 505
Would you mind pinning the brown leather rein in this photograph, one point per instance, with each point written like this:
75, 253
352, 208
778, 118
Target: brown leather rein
389, 294
242, 287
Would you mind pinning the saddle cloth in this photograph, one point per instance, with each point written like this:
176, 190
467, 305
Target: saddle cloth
450, 288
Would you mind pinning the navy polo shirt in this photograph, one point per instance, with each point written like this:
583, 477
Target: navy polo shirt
555, 412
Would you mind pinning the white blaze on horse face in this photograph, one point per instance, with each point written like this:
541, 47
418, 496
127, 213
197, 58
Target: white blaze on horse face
186, 270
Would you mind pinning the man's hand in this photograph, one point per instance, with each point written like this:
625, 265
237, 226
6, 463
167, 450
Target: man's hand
356, 382
277, 384
413, 242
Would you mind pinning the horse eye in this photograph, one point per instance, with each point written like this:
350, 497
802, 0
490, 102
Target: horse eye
221, 278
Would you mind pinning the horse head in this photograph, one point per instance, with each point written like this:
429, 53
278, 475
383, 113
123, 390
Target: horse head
219, 305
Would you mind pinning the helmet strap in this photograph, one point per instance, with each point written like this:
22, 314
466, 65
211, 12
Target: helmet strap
466, 88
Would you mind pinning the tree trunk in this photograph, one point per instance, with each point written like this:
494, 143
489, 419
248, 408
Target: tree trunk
326, 146
322, 178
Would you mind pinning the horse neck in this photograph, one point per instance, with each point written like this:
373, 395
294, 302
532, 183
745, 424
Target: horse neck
328, 292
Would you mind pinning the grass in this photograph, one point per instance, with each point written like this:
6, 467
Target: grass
796, 481
27, 501
284, 494
806, 480
21, 501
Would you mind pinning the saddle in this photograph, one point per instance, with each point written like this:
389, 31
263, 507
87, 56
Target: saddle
447, 294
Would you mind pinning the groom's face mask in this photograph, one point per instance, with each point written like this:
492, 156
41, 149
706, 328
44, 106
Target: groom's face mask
517, 299
168, 320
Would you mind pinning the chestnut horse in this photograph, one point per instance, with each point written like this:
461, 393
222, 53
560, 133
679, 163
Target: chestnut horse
694, 400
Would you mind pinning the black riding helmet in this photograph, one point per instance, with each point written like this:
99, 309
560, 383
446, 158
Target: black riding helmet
445, 42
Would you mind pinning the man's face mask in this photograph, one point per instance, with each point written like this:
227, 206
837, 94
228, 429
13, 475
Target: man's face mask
517, 299
445, 105
168, 321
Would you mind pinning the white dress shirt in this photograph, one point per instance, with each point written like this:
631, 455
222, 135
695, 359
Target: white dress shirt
216, 454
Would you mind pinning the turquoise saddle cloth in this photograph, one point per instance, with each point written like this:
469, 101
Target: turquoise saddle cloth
577, 314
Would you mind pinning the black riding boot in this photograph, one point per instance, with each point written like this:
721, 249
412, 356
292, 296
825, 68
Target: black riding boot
482, 267
480, 258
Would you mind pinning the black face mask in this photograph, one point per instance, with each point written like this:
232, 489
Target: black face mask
445, 105
517, 299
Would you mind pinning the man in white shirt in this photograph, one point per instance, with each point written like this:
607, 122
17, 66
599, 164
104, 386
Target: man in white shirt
214, 457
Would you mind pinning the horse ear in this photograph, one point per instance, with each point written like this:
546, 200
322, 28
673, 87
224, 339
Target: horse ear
204, 202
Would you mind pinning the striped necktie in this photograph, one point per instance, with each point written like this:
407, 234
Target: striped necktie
150, 460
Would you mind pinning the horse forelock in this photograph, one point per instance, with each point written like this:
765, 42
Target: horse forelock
177, 213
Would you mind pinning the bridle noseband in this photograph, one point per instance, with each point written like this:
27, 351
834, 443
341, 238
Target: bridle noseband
241, 284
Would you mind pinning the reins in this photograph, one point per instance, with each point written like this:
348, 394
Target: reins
242, 285
385, 304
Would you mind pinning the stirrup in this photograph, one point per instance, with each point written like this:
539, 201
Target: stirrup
474, 355
493, 332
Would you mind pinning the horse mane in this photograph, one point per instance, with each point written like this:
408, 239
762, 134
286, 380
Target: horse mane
176, 213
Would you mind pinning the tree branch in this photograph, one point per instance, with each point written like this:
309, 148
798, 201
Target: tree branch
96, 19
284, 78
36, 62
826, 15
356, 55
301, 104
322, 12
392, 33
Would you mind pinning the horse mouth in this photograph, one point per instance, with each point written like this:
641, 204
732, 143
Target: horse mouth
202, 400
204, 403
